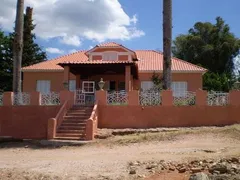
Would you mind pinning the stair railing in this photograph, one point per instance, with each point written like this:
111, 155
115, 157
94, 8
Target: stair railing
92, 123
54, 123
62, 112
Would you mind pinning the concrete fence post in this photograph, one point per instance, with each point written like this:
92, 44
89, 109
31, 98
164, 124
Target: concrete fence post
234, 98
35, 98
89, 130
66, 95
201, 97
133, 98
167, 98
8, 98
51, 131
101, 97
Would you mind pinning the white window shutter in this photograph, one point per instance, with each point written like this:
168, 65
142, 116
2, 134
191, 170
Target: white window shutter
43, 86
72, 85
146, 85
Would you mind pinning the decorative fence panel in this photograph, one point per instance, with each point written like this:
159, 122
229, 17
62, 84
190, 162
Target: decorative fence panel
186, 99
84, 99
49, 99
1, 99
150, 98
21, 99
117, 98
218, 99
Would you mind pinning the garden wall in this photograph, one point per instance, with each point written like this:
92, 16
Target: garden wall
160, 116
26, 122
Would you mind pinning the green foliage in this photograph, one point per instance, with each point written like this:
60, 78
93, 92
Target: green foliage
5, 61
157, 81
211, 46
32, 53
217, 82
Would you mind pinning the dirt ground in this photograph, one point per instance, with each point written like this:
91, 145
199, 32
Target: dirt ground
109, 158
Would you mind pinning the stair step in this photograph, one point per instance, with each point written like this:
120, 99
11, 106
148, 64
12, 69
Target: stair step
70, 135
75, 121
78, 123
70, 138
78, 114
64, 127
71, 131
74, 117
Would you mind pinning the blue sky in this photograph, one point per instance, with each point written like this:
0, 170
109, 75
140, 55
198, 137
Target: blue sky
145, 17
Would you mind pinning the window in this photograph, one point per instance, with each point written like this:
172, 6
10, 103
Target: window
146, 85
110, 56
72, 85
121, 86
179, 88
88, 86
112, 85
43, 86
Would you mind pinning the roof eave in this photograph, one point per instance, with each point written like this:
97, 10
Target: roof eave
42, 70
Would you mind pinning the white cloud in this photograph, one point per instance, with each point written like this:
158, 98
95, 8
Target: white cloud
90, 47
71, 40
54, 50
134, 19
73, 20
72, 51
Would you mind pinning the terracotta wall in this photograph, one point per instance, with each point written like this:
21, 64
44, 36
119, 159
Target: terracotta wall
30, 79
151, 117
26, 121
110, 49
194, 80
56, 78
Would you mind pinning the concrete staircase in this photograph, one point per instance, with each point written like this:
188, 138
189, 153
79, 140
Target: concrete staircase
73, 126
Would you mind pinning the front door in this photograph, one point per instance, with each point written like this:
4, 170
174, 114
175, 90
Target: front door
86, 95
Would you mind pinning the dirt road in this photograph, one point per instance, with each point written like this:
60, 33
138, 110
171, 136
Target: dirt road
107, 159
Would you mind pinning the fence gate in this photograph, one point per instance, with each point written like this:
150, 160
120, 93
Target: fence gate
80, 98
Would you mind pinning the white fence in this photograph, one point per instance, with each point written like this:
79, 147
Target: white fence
1, 99
49, 99
21, 99
117, 98
150, 98
185, 99
218, 99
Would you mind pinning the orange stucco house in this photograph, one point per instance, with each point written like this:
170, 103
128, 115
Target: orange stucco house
121, 69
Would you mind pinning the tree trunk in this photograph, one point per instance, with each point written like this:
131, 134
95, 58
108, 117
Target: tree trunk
18, 47
167, 43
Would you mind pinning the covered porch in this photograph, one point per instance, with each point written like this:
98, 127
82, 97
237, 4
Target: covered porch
116, 76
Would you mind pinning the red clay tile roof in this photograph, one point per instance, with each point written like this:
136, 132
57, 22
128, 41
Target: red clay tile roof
148, 60
96, 62
109, 44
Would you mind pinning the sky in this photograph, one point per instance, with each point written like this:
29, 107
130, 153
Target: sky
65, 26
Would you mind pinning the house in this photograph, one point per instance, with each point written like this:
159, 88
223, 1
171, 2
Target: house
68, 115
120, 67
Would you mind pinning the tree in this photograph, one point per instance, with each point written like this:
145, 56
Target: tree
211, 46
157, 81
5, 63
18, 47
167, 43
32, 52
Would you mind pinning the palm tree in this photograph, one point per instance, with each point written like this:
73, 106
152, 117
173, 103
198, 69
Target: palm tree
18, 46
167, 43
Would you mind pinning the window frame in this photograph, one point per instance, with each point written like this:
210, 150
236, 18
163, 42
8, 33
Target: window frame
37, 86
72, 82
108, 56
179, 88
88, 82
149, 86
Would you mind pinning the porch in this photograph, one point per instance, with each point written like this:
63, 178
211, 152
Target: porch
116, 76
